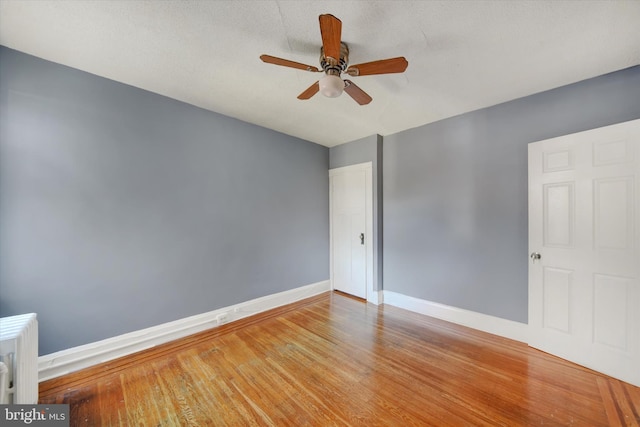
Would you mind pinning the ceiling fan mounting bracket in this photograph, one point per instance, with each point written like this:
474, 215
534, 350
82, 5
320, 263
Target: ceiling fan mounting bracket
333, 66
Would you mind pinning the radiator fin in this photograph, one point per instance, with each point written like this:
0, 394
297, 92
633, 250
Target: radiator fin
19, 352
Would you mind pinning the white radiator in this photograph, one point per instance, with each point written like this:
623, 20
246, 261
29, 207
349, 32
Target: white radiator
19, 352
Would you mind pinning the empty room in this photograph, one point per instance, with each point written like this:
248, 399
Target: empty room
320, 213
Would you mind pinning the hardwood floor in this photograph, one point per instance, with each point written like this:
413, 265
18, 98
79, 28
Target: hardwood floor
334, 360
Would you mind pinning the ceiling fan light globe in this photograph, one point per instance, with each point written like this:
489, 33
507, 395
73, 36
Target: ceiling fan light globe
331, 86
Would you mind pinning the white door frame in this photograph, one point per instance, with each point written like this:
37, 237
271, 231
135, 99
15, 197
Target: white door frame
372, 294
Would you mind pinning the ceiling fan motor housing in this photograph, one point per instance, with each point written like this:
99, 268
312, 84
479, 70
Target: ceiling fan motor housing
335, 66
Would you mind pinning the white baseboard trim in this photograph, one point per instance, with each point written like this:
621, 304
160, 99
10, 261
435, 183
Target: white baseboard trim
73, 359
494, 325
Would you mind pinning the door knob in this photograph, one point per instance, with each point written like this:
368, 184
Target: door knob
535, 256
362, 238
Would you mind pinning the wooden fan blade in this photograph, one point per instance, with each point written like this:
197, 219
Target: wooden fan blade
311, 90
383, 66
331, 31
286, 63
356, 93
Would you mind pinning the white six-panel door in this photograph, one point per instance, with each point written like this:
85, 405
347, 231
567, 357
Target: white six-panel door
351, 229
584, 241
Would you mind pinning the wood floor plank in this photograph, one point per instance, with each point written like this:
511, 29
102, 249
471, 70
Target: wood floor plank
632, 394
335, 360
112, 408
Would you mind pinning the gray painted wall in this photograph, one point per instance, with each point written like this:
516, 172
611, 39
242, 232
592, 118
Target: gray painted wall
455, 193
121, 209
365, 150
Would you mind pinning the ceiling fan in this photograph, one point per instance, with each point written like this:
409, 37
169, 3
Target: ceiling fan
334, 60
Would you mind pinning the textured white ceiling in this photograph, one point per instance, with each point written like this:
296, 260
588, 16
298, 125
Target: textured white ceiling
463, 55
